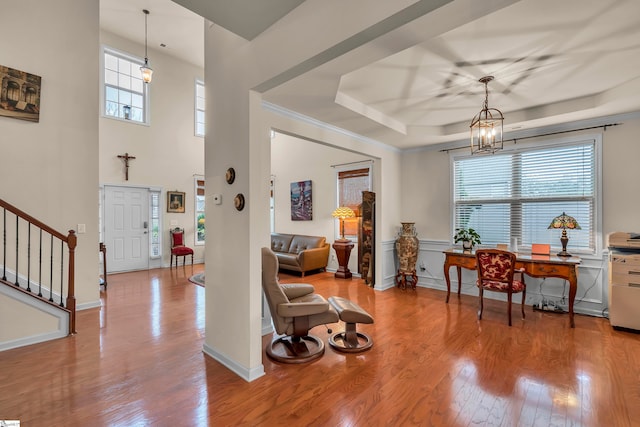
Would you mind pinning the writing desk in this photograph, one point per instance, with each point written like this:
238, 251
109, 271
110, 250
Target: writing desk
534, 265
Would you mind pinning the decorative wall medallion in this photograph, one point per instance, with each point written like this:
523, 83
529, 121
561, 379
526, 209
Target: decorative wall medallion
239, 201
230, 176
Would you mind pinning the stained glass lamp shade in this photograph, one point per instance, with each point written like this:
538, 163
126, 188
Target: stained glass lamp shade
564, 221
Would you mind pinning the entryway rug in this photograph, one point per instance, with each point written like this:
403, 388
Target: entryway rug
198, 279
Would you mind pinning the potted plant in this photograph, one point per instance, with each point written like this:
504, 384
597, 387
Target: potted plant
468, 236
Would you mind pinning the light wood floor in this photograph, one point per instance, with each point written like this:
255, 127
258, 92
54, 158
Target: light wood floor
138, 361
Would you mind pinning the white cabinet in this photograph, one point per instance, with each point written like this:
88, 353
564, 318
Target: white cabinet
624, 284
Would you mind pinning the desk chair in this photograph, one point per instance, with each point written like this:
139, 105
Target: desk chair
496, 270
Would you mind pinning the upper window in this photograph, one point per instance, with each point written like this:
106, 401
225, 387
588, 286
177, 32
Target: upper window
199, 108
199, 210
352, 181
516, 194
125, 95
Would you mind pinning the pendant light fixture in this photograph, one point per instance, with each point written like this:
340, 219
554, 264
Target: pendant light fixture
486, 126
145, 69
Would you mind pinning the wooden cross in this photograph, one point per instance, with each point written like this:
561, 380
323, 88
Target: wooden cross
126, 158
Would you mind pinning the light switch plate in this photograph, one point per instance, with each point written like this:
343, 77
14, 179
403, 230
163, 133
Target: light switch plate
82, 228
217, 199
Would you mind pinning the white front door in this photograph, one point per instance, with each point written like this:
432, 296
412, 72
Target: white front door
126, 228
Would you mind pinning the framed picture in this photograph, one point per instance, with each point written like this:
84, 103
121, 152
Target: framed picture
301, 202
175, 201
20, 95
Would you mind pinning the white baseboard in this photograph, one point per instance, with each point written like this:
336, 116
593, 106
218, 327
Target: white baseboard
35, 339
247, 374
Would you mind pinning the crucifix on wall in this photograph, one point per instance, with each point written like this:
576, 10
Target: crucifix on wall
126, 157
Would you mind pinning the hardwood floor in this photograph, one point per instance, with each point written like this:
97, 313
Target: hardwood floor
138, 361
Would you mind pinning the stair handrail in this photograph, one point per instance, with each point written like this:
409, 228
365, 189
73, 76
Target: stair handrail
71, 240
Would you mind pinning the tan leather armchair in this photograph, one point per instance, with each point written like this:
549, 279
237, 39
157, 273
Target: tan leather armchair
295, 309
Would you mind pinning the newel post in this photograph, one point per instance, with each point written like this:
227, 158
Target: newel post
72, 241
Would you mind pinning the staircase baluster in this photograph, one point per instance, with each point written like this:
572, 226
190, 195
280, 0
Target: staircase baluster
17, 246
51, 272
28, 250
29, 258
4, 244
40, 267
61, 272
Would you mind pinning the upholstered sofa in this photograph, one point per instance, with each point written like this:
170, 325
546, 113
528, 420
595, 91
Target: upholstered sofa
296, 252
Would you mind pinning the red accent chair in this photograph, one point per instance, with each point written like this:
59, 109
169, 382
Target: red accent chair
178, 248
496, 269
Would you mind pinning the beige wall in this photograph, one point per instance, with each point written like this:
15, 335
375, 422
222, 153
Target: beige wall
621, 174
50, 168
426, 195
238, 136
167, 152
39, 323
295, 159
426, 175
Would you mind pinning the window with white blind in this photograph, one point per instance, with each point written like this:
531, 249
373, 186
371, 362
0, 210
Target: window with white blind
517, 193
199, 211
352, 182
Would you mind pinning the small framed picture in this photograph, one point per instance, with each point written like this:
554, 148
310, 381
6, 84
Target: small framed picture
175, 201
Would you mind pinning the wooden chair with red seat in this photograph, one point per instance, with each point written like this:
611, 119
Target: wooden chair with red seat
178, 248
496, 271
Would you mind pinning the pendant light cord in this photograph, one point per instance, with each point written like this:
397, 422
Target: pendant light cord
146, 14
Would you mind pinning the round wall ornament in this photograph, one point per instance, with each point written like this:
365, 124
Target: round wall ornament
239, 201
230, 176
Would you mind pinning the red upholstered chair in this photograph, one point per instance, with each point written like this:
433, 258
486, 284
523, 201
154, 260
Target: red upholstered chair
177, 246
496, 269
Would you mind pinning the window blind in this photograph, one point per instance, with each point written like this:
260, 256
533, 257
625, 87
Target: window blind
351, 184
518, 193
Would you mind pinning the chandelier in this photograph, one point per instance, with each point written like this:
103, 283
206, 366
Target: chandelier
145, 69
486, 126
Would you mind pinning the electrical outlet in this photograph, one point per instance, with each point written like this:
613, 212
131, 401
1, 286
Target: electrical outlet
333, 257
548, 305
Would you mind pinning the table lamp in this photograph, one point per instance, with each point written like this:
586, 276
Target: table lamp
342, 213
564, 221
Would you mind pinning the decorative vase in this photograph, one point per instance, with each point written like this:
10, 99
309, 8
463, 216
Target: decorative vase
467, 245
407, 248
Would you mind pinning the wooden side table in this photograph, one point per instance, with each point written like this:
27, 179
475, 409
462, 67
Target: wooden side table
343, 252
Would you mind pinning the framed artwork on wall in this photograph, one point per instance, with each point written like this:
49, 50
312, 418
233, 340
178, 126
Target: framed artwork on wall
20, 94
175, 201
301, 201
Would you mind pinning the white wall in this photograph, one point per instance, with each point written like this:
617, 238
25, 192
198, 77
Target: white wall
50, 168
295, 159
167, 152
